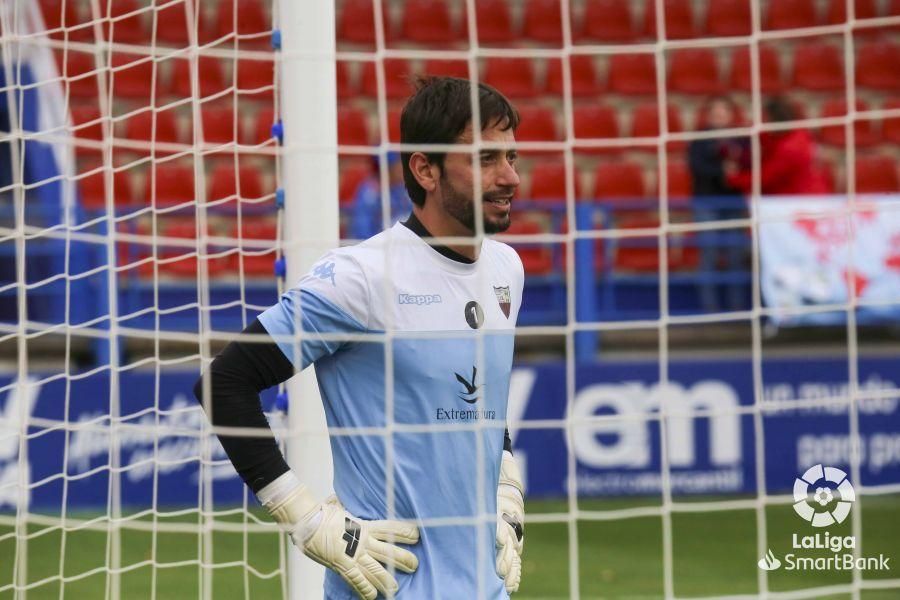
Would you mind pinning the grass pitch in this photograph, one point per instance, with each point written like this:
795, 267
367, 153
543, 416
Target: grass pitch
714, 553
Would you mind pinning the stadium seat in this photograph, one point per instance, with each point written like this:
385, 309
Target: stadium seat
862, 9
542, 21
878, 66
637, 253
595, 121
123, 29
447, 68
633, 74
864, 132
210, 77
131, 76
253, 25
548, 182
619, 180
583, 74
678, 180
396, 79
694, 71
253, 260
79, 71
352, 127
147, 126
174, 184
790, 14
818, 67
876, 174
58, 14
645, 123
255, 78
86, 122
181, 261
427, 22
393, 117
352, 174
262, 128
219, 123
344, 82
494, 22
356, 22
890, 127
222, 182
537, 125
608, 21
513, 76
679, 16
171, 23
537, 258
93, 189
725, 18
769, 70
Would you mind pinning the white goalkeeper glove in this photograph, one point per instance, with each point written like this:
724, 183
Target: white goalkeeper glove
510, 523
328, 534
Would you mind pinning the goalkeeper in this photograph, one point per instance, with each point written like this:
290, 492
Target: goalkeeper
455, 383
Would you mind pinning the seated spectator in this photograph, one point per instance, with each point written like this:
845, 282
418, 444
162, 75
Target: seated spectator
787, 161
366, 218
716, 200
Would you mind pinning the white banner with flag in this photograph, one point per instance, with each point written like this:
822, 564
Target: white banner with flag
814, 250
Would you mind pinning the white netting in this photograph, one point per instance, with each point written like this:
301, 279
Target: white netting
158, 117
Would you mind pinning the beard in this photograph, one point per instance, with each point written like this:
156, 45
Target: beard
461, 207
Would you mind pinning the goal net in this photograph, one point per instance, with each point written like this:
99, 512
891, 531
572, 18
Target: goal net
704, 393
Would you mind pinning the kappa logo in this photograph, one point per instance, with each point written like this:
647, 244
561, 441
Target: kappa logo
471, 393
324, 270
419, 299
351, 535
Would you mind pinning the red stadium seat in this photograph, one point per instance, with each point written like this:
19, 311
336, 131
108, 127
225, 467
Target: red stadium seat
619, 180
172, 23
80, 73
428, 22
536, 258
877, 66
645, 123
345, 84
131, 76
149, 126
255, 78
876, 174
447, 68
694, 71
890, 127
678, 180
818, 67
494, 22
537, 125
633, 74
352, 174
548, 182
87, 123
513, 76
679, 19
124, 29
58, 14
181, 261
210, 78
174, 184
262, 128
353, 127
356, 22
864, 134
728, 18
595, 121
583, 73
396, 78
608, 21
219, 124
769, 70
394, 125
253, 260
253, 24
93, 189
543, 21
790, 14
222, 183
862, 9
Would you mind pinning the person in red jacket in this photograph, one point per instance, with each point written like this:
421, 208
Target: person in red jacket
788, 159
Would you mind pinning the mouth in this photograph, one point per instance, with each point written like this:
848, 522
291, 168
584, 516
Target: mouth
499, 200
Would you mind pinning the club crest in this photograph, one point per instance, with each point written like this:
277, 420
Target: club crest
503, 298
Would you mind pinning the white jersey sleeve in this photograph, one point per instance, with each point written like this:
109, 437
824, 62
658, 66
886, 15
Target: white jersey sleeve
332, 299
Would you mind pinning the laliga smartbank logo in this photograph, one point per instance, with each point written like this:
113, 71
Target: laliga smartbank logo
823, 496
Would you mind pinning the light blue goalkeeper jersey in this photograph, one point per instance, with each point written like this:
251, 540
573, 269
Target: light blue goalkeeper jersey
451, 326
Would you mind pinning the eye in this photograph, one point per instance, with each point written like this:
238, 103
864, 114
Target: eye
486, 158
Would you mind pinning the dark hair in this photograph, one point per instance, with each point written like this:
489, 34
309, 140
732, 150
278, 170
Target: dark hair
779, 109
439, 111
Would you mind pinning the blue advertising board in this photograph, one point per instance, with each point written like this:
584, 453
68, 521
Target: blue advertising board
713, 435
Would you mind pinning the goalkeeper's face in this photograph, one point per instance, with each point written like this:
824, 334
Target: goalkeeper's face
499, 181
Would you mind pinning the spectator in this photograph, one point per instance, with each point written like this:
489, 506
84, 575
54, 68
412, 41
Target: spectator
788, 161
366, 219
716, 200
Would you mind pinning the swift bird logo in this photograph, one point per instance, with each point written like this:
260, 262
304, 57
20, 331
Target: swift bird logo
471, 393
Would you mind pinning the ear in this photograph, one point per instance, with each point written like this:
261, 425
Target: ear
425, 172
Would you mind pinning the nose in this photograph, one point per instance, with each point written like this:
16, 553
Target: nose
508, 177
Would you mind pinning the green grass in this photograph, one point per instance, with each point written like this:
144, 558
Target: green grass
714, 553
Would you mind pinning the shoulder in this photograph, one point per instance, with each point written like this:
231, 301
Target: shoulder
506, 258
